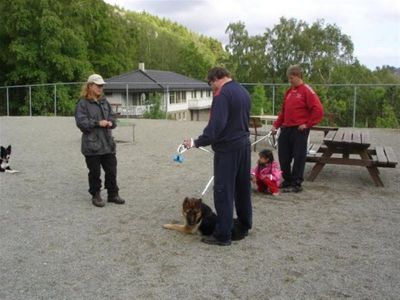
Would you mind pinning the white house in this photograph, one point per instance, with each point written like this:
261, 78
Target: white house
183, 98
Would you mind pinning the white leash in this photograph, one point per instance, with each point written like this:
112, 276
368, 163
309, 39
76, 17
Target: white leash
272, 139
207, 186
182, 148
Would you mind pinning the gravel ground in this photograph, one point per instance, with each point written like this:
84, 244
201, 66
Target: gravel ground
339, 238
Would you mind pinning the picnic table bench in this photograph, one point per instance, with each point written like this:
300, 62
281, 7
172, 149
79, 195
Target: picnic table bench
347, 143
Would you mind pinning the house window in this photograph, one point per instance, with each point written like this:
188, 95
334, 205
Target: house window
172, 97
201, 94
193, 94
177, 97
183, 97
208, 93
135, 99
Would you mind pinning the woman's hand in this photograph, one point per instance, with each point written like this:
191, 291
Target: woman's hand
105, 123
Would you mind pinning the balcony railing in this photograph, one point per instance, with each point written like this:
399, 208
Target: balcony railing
199, 103
133, 110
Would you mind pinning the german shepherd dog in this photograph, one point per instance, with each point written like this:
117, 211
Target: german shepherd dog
199, 217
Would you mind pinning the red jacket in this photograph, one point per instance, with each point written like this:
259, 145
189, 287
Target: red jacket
301, 105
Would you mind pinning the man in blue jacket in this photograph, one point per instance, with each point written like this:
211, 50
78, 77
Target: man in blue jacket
228, 134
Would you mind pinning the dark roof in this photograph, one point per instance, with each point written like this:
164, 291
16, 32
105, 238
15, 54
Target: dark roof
154, 80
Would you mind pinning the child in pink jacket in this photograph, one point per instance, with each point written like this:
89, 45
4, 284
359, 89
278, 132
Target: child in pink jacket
267, 174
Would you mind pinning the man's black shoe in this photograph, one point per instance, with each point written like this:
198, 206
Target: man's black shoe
297, 188
285, 184
293, 189
212, 240
239, 235
238, 232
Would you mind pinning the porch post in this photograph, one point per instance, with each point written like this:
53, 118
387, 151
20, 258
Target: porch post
167, 103
126, 99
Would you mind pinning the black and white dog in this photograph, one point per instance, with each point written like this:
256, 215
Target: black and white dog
4, 160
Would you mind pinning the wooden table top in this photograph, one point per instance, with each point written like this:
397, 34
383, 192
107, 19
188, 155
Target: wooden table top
348, 138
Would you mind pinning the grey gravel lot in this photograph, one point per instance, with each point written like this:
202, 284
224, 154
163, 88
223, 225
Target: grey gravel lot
337, 239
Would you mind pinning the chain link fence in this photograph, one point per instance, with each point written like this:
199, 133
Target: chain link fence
345, 105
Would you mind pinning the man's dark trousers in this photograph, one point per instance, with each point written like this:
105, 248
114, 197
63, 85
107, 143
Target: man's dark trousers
109, 164
292, 145
232, 186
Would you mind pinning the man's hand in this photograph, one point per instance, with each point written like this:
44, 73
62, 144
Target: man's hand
302, 127
188, 143
274, 130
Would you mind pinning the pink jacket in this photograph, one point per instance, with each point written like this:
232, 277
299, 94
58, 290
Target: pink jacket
271, 171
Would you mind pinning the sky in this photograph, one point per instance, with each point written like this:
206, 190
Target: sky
373, 25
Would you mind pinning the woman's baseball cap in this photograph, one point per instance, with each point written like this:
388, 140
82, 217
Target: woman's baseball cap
96, 79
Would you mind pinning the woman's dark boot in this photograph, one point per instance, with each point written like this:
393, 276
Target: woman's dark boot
97, 200
115, 198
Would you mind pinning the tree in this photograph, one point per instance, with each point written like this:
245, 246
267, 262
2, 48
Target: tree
318, 48
155, 111
388, 118
38, 47
259, 103
192, 63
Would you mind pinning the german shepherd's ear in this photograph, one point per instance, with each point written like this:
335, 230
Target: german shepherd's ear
198, 203
186, 202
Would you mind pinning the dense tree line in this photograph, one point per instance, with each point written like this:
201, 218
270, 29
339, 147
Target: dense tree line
63, 41
50, 41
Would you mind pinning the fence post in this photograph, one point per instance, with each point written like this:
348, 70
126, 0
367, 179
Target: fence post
273, 99
55, 100
8, 104
354, 106
30, 101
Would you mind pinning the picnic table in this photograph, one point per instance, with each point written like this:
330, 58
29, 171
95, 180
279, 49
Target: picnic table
266, 118
354, 147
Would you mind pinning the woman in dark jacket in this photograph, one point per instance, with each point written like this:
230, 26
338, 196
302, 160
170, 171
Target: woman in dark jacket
95, 118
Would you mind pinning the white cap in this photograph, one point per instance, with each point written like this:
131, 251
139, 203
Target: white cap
96, 78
